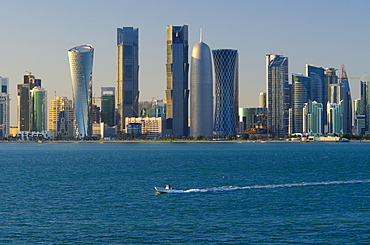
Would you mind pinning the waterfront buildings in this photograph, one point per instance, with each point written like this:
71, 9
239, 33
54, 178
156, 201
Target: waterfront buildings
252, 120
312, 118
61, 118
149, 127
226, 74
81, 65
38, 119
127, 74
335, 117
301, 95
23, 109
108, 109
177, 92
4, 107
365, 100
201, 91
278, 94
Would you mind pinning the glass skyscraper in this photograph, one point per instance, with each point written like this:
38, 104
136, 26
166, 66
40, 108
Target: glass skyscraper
226, 75
365, 100
38, 109
81, 65
4, 107
301, 95
278, 94
177, 89
312, 118
108, 109
127, 74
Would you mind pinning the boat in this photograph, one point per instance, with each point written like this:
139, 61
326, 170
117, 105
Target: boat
167, 190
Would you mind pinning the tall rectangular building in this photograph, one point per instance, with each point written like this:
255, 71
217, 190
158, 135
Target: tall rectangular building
23, 89
301, 95
108, 109
177, 70
278, 94
38, 120
127, 74
4, 107
61, 118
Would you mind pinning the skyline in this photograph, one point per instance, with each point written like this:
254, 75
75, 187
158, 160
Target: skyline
325, 34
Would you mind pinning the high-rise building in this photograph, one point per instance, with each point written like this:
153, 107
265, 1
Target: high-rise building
301, 95
365, 100
38, 119
108, 109
127, 74
312, 118
61, 118
262, 100
253, 120
177, 69
335, 117
226, 74
317, 82
347, 100
81, 65
278, 94
4, 107
23, 110
201, 91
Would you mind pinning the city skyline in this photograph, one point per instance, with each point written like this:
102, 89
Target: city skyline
320, 45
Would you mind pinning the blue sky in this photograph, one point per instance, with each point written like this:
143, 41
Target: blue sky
36, 35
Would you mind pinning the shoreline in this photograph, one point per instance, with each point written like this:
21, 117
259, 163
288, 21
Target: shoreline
183, 141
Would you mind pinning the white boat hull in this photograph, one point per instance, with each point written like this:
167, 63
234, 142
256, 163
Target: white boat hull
164, 190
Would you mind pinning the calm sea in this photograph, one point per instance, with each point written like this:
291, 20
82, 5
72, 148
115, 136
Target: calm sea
234, 193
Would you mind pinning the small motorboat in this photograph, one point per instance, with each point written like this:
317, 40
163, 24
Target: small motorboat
167, 190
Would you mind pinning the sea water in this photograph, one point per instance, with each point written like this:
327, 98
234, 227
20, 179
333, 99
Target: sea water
233, 193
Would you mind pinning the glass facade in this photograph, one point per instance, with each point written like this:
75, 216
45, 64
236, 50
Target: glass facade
278, 94
301, 95
108, 109
312, 118
4, 107
127, 73
365, 100
177, 89
81, 65
37, 109
226, 79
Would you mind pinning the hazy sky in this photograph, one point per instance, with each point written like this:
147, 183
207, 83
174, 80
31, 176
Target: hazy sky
36, 35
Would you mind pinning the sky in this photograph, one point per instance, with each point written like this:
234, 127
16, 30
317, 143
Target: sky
36, 35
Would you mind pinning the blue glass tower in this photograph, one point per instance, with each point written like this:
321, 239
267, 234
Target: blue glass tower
226, 75
81, 64
301, 95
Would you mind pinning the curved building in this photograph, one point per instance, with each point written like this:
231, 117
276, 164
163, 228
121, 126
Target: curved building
201, 91
226, 75
81, 63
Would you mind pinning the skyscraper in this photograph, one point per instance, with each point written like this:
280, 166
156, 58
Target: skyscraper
81, 65
365, 100
262, 100
127, 73
226, 75
177, 69
317, 82
61, 118
201, 91
312, 118
38, 109
278, 94
4, 107
347, 98
108, 109
23, 110
301, 95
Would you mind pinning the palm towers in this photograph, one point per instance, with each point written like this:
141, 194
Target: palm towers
127, 73
81, 64
201, 95
177, 92
226, 75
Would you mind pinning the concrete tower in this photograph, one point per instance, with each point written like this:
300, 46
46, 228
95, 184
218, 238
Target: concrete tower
201, 91
81, 65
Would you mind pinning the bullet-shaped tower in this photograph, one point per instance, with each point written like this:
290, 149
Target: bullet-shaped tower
201, 91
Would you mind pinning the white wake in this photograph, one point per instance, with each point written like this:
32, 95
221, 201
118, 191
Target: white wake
233, 188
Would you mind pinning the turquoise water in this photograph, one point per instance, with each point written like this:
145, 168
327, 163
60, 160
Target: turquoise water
234, 193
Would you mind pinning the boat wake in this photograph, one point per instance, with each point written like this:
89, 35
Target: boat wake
232, 188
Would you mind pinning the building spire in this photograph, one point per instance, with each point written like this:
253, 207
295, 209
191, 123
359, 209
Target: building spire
201, 35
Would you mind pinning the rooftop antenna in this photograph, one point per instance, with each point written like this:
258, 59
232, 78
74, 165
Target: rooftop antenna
201, 35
